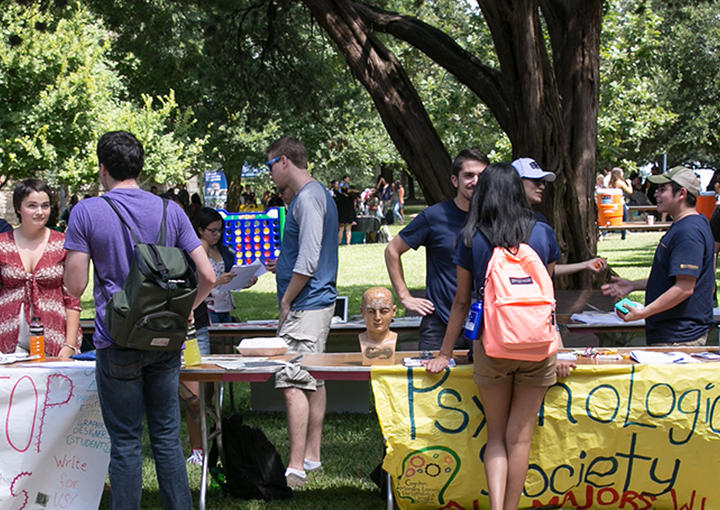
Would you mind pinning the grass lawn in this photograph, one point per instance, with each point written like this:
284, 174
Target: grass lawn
352, 444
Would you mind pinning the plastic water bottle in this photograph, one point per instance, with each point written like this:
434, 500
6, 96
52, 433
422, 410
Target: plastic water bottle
37, 338
192, 352
473, 324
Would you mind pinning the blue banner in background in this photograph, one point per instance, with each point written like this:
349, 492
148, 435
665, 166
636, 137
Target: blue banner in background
215, 189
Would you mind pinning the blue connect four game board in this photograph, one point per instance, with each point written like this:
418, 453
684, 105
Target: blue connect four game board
254, 235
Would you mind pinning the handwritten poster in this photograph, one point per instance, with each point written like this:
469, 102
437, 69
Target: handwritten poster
609, 436
54, 449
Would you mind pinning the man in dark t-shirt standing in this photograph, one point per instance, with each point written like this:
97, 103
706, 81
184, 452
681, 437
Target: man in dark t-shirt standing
678, 297
436, 228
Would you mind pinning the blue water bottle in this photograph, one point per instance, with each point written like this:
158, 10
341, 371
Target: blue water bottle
473, 324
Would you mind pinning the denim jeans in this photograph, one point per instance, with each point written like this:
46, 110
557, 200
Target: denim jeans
203, 340
219, 317
133, 383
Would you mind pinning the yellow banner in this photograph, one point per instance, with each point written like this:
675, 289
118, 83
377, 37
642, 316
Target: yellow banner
610, 436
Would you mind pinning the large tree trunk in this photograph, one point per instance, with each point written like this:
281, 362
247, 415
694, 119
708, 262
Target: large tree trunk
394, 96
547, 104
574, 29
554, 106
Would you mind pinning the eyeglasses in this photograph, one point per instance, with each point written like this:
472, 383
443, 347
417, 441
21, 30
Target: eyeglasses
270, 163
214, 230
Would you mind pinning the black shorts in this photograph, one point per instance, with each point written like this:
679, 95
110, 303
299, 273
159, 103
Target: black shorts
432, 331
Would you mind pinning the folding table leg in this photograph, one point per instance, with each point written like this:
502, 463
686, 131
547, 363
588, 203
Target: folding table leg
215, 412
389, 499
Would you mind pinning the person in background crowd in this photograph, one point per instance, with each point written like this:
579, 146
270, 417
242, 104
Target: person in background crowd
511, 391
678, 292
32, 260
382, 189
345, 203
170, 195
5, 226
66, 213
598, 182
398, 202
275, 199
618, 181
436, 228
131, 383
306, 274
637, 197
248, 197
183, 196
606, 177
195, 205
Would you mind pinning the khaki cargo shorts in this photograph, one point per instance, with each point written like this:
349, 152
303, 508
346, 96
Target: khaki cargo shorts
489, 371
304, 332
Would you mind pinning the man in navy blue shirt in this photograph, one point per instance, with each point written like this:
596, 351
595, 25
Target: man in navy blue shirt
436, 228
678, 297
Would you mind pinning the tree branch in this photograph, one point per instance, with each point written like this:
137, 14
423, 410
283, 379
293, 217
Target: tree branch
483, 80
395, 98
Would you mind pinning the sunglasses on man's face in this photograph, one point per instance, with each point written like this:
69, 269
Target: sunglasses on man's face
270, 163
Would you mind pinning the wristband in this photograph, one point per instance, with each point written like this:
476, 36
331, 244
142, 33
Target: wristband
73, 347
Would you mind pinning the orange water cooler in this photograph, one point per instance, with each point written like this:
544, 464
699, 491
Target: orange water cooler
706, 203
609, 206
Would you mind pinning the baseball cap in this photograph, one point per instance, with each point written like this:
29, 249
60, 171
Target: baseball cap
680, 175
527, 168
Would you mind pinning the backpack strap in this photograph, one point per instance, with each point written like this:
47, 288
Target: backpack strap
157, 259
135, 238
161, 235
479, 293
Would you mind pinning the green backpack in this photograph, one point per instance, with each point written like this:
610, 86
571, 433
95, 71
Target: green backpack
151, 311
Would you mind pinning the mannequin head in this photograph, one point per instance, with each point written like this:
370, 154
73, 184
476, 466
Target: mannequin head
378, 311
377, 342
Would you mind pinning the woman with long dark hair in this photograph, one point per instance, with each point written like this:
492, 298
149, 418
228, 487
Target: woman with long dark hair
511, 391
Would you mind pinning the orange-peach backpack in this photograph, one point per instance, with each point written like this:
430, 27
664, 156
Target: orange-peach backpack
518, 306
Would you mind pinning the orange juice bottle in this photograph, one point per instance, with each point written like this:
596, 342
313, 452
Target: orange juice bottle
37, 338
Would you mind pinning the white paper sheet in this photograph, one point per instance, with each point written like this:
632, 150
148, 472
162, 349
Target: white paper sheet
660, 358
603, 318
243, 274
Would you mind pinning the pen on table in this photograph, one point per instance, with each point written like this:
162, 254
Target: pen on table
296, 358
593, 307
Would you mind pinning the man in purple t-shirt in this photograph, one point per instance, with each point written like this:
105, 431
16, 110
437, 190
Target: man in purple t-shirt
131, 382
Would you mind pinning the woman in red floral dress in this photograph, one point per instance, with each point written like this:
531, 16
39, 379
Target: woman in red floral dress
32, 261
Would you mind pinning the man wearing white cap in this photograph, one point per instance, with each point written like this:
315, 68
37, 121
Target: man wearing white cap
678, 297
534, 179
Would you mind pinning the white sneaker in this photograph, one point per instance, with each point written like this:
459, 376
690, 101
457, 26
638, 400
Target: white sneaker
312, 465
195, 458
295, 478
